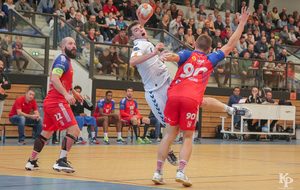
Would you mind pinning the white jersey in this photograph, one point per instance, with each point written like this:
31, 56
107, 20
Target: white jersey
153, 71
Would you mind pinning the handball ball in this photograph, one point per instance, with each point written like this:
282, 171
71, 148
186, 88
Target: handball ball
96, 60
146, 11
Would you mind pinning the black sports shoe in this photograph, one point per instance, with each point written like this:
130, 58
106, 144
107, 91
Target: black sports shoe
32, 165
62, 165
172, 159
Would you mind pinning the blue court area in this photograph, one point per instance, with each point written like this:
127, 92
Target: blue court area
41, 183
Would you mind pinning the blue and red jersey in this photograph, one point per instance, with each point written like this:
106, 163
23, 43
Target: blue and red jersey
17, 46
66, 79
128, 108
194, 69
107, 107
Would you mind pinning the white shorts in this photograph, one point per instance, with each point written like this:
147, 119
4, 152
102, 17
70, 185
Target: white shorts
157, 101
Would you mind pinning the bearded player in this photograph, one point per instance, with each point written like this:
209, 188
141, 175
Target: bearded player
57, 112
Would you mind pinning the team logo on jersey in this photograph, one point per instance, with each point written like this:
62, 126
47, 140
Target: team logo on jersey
131, 112
136, 49
63, 58
177, 81
194, 58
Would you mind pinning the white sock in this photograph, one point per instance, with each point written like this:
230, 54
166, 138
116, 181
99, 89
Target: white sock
93, 134
182, 165
181, 134
80, 134
105, 135
196, 134
63, 153
119, 135
228, 109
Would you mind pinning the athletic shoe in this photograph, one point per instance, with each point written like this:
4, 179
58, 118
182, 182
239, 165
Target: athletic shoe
121, 141
32, 165
242, 111
157, 140
62, 165
139, 141
182, 178
80, 141
21, 142
95, 141
105, 141
158, 178
196, 140
172, 159
7, 70
147, 141
55, 141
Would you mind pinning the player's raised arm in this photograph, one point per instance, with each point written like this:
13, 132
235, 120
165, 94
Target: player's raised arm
245, 12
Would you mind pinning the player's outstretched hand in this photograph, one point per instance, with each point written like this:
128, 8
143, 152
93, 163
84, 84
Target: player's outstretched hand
142, 21
164, 55
243, 17
160, 45
70, 99
78, 96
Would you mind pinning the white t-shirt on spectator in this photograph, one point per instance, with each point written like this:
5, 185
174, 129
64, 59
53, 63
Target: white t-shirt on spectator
111, 22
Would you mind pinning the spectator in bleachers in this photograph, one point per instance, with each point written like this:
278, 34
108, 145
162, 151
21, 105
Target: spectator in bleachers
155, 18
45, 6
163, 24
227, 37
123, 55
77, 23
226, 16
175, 24
86, 52
241, 45
8, 5
249, 32
260, 16
245, 69
268, 77
94, 38
81, 5
121, 24
218, 25
112, 25
250, 40
173, 9
22, 5
110, 8
271, 52
198, 33
234, 99
290, 76
224, 32
121, 38
267, 18
105, 59
268, 29
291, 24
222, 68
248, 26
189, 38
130, 116
190, 25
284, 34
71, 14
165, 8
199, 22
62, 11
216, 38
152, 3
83, 119
180, 36
256, 36
282, 22
273, 44
211, 22
4, 85
71, 3
58, 4
261, 46
227, 23
20, 115
249, 49
226, 6
84, 16
234, 62
95, 7
263, 34
292, 37
17, 48
103, 27
201, 12
92, 24
257, 26
131, 8
282, 56
275, 16
280, 43
192, 13
116, 61
234, 24
283, 13
6, 55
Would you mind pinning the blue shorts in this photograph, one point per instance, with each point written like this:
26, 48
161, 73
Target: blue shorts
88, 120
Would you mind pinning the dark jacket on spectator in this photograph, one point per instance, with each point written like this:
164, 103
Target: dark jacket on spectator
280, 57
251, 54
234, 99
77, 108
76, 24
252, 100
219, 26
260, 47
215, 40
3, 78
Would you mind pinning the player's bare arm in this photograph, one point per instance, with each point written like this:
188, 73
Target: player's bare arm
106, 114
77, 96
55, 80
20, 113
165, 56
135, 60
237, 34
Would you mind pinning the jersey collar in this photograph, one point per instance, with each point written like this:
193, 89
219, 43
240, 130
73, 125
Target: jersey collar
200, 52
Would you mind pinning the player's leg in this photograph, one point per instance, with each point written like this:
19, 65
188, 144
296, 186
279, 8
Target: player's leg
215, 104
92, 128
146, 121
135, 121
80, 121
103, 120
118, 123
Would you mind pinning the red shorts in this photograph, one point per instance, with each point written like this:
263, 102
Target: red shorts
126, 120
58, 117
182, 111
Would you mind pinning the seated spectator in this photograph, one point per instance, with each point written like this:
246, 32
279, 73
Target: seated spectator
92, 36
256, 26
249, 49
95, 7
173, 9
268, 76
78, 24
241, 45
190, 25
280, 45
291, 24
152, 3
105, 115
227, 36
271, 52
283, 13
268, 18
103, 27
290, 76
282, 22
227, 23
121, 38
154, 121
263, 34
71, 3
121, 24
207, 30
292, 38
84, 16
163, 24
218, 24
109, 8
199, 22
248, 26
268, 28
124, 64
211, 22
175, 24
215, 14
253, 98
6, 55
92, 24
261, 46
86, 52
81, 5
245, 69
130, 116
71, 14
227, 6
199, 32
180, 35
256, 36
249, 39
226, 17
115, 61
201, 12
62, 11
132, 7
224, 32
275, 16
17, 48
189, 37
216, 38
222, 68
234, 99
112, 25
282, 56
20, 115
234, 24
155, 18
105, 60
58, 4
234, 62
192, 13
22, 5
8, 5
165, 8
83, 119
45, 6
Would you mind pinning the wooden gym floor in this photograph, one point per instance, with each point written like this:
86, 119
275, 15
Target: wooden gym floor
215, 164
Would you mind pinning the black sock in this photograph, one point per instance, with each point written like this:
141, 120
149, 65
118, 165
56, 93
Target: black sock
146, 127
135, 130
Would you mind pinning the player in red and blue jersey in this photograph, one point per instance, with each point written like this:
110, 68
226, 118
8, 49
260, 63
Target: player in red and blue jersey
105, 115
57, 112
130, 116
185, 95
